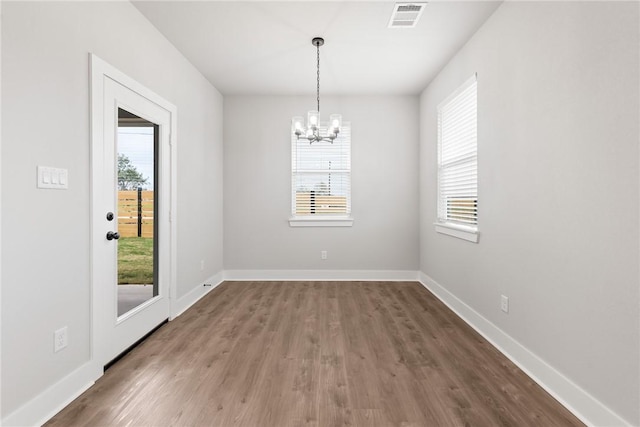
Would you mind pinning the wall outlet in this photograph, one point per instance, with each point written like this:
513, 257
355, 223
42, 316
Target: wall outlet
201, 265
323, 254
60, 339
504, 303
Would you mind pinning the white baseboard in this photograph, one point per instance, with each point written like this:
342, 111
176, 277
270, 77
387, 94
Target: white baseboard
183, 303
41, 408
584, 406
315, 275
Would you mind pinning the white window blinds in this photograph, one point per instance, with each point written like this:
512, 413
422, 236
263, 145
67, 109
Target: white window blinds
458, 157
321, 175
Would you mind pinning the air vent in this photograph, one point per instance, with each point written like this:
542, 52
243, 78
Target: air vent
409, 8
406, 15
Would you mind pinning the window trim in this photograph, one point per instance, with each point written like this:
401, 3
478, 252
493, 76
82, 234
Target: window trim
329, 221
462, 231
467, 233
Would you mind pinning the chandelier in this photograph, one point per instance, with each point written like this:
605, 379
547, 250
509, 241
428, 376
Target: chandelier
312, 131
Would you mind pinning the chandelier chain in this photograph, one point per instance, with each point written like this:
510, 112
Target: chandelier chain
318, 74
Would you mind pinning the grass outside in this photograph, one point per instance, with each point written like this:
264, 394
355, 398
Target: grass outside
135, 260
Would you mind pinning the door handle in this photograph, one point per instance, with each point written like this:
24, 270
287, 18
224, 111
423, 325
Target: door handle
113, 235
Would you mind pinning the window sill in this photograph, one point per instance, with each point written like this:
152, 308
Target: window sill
341, 221
460, 231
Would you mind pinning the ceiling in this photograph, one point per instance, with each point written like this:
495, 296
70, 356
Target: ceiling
264, 47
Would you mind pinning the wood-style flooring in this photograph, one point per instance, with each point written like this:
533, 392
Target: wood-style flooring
277, 354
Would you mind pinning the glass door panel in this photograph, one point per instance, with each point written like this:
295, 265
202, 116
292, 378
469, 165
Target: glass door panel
137, 147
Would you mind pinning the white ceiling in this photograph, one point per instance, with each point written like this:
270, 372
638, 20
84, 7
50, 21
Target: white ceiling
264, 47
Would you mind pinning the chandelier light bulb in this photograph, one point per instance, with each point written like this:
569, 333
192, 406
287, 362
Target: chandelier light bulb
336, 123
313, 120
296, 123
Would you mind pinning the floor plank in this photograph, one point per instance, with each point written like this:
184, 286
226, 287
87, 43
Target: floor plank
315, 354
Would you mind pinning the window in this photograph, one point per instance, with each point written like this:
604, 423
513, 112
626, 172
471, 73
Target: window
321, 180
458, 163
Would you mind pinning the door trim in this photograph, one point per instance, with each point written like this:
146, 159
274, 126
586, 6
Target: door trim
99, 71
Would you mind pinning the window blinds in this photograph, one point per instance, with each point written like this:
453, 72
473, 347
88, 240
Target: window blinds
321, 175
458, 156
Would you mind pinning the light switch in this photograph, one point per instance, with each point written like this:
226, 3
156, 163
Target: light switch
52, 178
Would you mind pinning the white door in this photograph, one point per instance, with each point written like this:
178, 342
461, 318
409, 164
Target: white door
132, 255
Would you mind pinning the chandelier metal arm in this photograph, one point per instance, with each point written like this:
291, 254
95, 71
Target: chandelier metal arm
318, 138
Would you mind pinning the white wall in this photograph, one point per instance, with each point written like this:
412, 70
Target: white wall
558, 189
45, 121
257, 182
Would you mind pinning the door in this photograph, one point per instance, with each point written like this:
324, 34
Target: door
132, 257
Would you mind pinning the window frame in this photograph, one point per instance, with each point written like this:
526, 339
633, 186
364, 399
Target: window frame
326, 219
444, 224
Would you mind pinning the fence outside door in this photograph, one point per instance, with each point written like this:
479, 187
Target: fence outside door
135, 213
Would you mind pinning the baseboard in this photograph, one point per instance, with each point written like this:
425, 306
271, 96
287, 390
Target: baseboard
316, 275
183, 303
45, 405
584, 406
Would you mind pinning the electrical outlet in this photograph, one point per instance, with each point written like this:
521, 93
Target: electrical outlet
504, 303
60, 339
323, 254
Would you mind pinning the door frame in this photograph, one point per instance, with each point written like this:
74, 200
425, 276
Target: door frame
99, 71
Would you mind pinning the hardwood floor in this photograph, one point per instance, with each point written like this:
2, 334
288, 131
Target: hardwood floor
315, 354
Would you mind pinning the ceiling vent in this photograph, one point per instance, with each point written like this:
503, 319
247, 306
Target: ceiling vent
406, 15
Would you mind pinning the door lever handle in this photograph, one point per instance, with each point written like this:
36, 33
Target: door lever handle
113, 235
